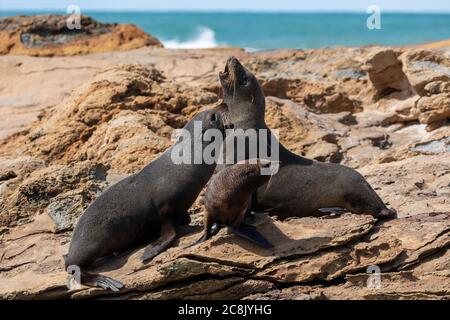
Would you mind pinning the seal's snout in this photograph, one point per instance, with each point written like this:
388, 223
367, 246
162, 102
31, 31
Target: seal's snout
388, 213
232, 66
226, 72
232, 60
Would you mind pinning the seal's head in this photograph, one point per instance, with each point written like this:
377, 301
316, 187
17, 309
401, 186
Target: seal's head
201, 137
204, 127
206, 120
253, 173
211, 119
241, 91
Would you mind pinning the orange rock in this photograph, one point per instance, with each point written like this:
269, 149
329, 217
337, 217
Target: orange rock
48, 35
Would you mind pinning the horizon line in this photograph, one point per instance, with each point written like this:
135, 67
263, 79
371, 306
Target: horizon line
227, 11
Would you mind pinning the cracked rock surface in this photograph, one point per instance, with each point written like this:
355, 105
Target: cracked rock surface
382, 111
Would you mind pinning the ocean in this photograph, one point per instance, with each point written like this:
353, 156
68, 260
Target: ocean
259, 31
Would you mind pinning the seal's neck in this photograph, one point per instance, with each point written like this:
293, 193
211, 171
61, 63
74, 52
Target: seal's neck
247, 115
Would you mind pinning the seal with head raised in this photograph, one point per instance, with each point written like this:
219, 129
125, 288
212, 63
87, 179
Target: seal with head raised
145, 206
302, 186
228, 198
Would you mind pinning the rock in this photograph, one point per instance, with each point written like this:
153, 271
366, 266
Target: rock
48, 35
64, 210
433, 147
394, 110
395, 182
123, 116
404, 285
290, 293
396, 242
214, 289
6, 175
51, 186
329, 101
437, 87
111, 119
423, 67
385, 72
226, 267
434, 109
225, 256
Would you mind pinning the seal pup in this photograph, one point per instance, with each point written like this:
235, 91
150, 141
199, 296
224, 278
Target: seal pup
302, 187
228, 198
144, 206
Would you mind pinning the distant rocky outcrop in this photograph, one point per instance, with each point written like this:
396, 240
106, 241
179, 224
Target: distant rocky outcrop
369, 108
48, 35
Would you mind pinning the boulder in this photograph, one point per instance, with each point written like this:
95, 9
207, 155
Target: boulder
385, 72
434, 109
48, 35
423, 67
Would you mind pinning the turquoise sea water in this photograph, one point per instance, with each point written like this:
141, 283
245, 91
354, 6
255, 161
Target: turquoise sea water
279, 30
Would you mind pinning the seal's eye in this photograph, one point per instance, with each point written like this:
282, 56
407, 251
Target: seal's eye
243, 80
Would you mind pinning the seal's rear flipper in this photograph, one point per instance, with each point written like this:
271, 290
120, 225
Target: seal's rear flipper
335, 210
250, 233
96, 280
106, 283
168, 236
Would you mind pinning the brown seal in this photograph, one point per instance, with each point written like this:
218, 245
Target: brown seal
143, 208
302, 187
228, 198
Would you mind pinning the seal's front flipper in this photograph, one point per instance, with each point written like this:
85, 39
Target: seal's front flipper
250, 233
168, 236
206, 235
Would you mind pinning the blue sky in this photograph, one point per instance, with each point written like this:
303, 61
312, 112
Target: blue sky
230, 5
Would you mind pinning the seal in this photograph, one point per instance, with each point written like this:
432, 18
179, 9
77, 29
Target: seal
228, 198
302, 187
144, 207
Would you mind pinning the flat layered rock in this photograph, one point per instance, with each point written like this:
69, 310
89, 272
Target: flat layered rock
33, 253
120, 117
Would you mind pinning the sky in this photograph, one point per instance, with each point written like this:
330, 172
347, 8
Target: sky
232, 5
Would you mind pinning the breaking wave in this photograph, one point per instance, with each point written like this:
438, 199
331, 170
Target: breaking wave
204, 38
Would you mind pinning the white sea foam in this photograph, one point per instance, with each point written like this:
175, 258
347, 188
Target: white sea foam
204, 38
250, 49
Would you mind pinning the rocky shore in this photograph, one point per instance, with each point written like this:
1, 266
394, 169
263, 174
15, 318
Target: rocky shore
48, 35
73, 125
